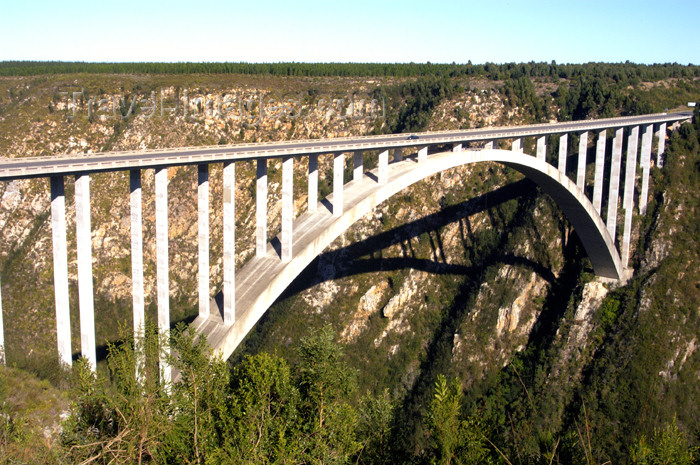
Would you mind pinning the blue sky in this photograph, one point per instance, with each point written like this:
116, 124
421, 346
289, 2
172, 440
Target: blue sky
360, 31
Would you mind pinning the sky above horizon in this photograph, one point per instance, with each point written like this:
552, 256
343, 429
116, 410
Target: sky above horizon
496, 31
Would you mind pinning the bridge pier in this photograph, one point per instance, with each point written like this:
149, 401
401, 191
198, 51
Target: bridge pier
645, 163
338, 173
628, 197
422, 154
137, 267
582, 154
312, 180
261, 208
456, 147
203, 238
229, 220
599, 170
288, 206
489, 145
563, 148
83, 238
383, 167
542, 148
358, 168
517, 145
614, 193
398, 154
661, 135
162, 278
60, 269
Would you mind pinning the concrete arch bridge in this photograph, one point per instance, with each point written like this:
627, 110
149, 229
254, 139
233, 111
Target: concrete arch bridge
250, 291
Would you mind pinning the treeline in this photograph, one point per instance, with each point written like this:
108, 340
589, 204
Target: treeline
619, 72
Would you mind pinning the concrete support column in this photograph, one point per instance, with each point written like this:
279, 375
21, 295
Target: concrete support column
581, 168
358, 167
422, 154
261, 209
542, 148
203, 238
83, 238
313, 183
162, 278
517, 145
60, 269
599, 170
229, 220
137, 267
563, 149
645, 163
288, 206
614, 193
661, 136
398, 154
338, 172
490, 145
628, 197
456, 147
383, 167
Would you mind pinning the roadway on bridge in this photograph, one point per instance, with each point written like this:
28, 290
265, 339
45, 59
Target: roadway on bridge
29, 167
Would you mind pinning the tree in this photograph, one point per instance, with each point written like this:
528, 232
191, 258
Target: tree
454, 440
123, 419
668, 446
325, 383
263, 424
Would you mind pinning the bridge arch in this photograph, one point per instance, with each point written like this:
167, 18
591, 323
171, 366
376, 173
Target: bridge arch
262, 280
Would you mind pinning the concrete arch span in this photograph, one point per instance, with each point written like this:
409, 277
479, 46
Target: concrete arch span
263, 279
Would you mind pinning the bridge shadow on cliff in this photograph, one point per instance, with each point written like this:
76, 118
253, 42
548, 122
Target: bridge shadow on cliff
366, 256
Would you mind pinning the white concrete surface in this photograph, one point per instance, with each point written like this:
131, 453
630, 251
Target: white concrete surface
60, 270
83, 239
